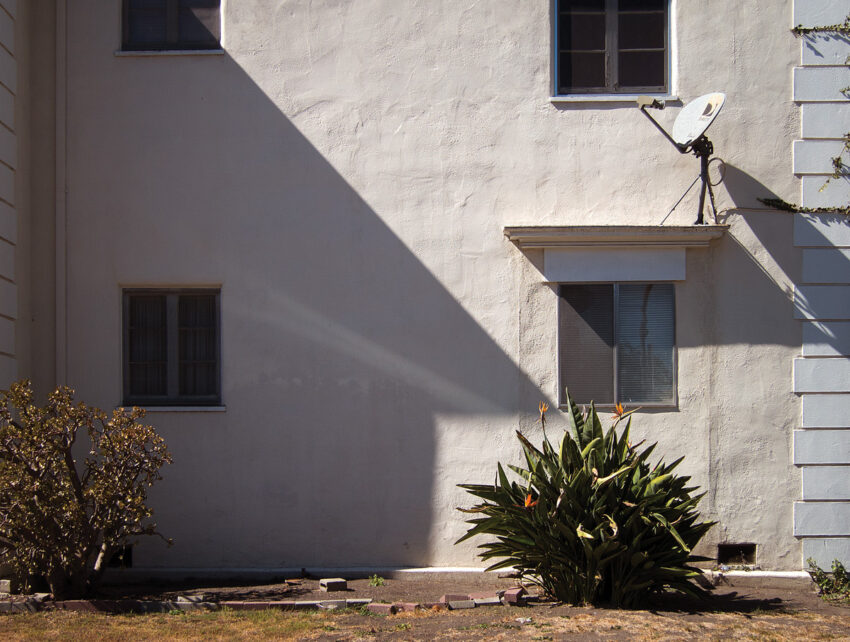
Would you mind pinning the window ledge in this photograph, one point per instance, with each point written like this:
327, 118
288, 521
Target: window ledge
151, 409
610, 407
555, 236
168, 52
608, 98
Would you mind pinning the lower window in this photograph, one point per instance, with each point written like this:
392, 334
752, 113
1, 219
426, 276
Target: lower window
171, 347
616, 343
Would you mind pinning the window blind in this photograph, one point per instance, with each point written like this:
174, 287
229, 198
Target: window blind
645, 343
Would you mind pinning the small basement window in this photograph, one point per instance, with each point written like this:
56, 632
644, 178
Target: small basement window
736, 554
165, 25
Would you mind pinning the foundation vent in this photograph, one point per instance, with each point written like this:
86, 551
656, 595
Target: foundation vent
734, 554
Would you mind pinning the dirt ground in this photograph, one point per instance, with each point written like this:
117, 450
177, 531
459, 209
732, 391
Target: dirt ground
738, 609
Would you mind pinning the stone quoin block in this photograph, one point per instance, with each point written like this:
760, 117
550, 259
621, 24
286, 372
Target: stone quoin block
821, 230
824, 550
829, 374
826, 339
822, 519
381, 609
821, 447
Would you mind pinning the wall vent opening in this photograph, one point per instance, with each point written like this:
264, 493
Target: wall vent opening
736, 554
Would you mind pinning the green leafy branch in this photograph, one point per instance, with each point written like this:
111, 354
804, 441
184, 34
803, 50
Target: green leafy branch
843, 27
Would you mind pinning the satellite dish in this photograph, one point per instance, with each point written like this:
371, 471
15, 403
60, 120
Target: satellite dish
689, 136
696, 117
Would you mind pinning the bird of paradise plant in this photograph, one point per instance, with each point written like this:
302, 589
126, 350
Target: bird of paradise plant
593, 520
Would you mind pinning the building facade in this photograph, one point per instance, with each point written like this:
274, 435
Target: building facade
334, 247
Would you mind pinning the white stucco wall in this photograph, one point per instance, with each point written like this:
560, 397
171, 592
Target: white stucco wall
344, 171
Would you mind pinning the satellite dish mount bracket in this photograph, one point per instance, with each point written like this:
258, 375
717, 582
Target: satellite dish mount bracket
703, 149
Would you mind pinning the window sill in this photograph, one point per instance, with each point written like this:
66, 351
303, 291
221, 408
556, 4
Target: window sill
608, 98
534, 237
151, 409
154, 53
608, 407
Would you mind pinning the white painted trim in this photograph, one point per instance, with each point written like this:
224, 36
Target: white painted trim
554, 236
630, 99
672, 66
613, 264
783, 575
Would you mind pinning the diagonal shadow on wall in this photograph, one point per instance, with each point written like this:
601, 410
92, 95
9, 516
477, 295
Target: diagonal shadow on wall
339, 346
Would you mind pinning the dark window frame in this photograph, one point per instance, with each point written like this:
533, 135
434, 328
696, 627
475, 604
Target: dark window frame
173, 396
172, 40
673, 401
612, 81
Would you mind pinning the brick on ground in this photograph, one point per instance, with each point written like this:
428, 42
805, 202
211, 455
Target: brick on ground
455, 605
453, 597
515, 596
333, 584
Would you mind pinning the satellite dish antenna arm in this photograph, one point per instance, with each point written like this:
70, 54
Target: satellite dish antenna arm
653, 103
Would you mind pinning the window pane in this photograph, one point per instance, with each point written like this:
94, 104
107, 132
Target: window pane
197, 345
637, 5
645, 343
642, 69
581, 31
641, 30
581, 71
586, 342
147, 4
146, 26
146, 347
199, 23
592, 5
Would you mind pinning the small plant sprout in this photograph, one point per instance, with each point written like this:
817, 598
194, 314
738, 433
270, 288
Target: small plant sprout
376, 580
833, 586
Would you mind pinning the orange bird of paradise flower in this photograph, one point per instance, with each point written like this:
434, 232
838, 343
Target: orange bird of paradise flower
618, 411
529, 503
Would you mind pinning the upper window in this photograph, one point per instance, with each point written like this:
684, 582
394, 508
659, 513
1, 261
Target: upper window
611, 46
617, 343
171, 347
156, 25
